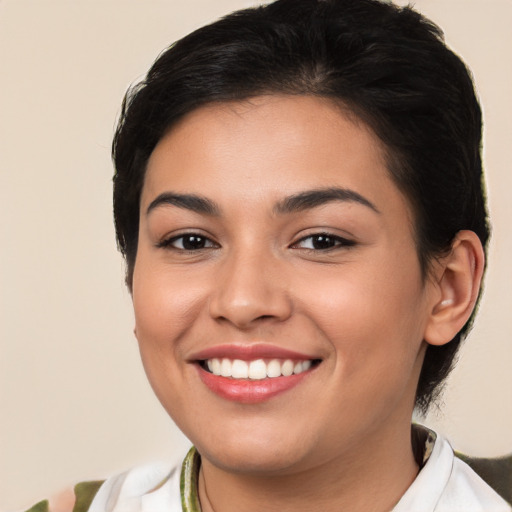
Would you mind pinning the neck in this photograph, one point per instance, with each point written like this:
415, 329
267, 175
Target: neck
385, 464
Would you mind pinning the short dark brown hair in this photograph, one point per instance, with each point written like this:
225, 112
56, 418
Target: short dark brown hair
386, 64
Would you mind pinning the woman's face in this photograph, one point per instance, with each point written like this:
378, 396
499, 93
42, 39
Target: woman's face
272, 240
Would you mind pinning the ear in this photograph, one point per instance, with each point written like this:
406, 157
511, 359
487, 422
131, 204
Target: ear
457, 283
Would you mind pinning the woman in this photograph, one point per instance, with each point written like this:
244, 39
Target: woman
298, 196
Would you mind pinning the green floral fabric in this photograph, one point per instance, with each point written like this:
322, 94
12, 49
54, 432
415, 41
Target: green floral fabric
84, 494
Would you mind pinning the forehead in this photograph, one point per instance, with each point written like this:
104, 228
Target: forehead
266, 147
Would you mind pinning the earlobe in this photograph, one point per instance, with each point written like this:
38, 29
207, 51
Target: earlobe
457, 286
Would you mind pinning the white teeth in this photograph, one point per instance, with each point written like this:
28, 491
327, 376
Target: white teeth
225, 368
239, 369
287, 368
256, 370
215, 366
274, 368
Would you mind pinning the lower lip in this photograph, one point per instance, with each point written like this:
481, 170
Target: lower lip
248, 391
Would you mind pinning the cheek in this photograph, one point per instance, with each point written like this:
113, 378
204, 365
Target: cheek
165, 305
369, 314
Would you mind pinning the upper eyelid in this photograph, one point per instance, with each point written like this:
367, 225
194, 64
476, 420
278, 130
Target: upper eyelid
346, 239
176, 233
167, 241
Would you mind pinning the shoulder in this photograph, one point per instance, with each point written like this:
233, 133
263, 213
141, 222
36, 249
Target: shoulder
446, 483
465, 487
71, 500
496, 472
153, 487
131, 490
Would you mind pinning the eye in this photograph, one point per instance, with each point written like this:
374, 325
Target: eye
188, 242
322, 242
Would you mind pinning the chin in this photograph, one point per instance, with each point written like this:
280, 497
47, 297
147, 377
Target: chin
263, 461
241, 450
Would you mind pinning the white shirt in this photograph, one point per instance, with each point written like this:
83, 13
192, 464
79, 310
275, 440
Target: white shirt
444, 484
447, 484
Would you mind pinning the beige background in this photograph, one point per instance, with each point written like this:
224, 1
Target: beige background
74, 402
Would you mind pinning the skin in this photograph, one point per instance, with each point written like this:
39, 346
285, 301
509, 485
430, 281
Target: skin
62, 502
361, 306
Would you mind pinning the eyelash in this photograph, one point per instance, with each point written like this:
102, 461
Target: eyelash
168, 242
336, 241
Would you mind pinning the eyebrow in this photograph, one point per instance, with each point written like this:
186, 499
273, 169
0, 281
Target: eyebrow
295, 203
318, 197
191, 202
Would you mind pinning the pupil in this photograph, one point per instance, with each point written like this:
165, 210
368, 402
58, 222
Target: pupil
323, 242
193, 242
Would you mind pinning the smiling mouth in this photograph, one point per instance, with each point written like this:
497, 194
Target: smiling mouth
257, 369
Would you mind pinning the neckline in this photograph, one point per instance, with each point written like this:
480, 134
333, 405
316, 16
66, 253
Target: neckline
423, 440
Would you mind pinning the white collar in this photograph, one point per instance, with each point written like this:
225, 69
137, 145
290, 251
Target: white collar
446, 484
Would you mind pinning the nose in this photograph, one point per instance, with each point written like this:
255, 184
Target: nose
251, 290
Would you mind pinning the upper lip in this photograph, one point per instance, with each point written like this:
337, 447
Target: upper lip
249, 352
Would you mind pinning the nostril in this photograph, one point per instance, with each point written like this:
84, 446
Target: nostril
245, 298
